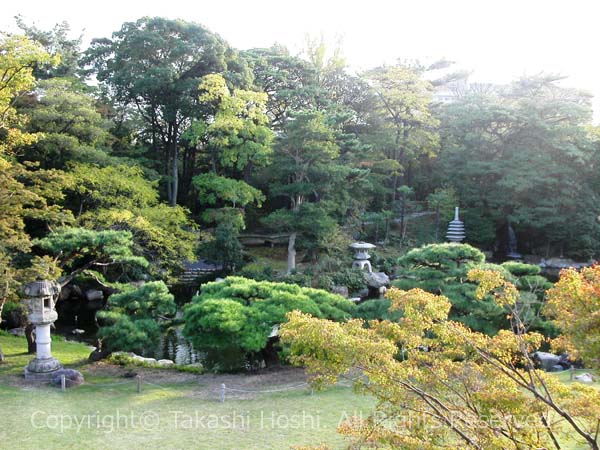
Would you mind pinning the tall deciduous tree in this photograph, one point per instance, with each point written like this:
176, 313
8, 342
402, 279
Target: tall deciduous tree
57, 43
525, 155
21, 192
156, 65
289, 81
70, 127
303, 158
574, 302
18, 58
438, 383
403, 117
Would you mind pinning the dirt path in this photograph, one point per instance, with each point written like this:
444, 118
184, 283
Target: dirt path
204, 386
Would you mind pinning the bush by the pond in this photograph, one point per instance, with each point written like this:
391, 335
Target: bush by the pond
239, 315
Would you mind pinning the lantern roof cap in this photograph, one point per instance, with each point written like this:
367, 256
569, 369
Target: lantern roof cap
41, 288
362, 245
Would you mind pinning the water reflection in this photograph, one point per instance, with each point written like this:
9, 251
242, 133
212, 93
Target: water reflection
174, 346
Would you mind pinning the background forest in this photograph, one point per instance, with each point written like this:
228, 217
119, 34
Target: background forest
163, 144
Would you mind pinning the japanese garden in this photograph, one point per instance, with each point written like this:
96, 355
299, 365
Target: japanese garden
212, 247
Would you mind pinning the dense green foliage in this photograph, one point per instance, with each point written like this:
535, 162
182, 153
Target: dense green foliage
136, 318
494, 142
442, 269
163, 144
239, 314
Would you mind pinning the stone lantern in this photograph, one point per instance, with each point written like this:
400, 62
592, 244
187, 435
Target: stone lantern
456, 229
41, 297
361, 257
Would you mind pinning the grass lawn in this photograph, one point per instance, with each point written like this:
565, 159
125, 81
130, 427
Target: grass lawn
107, 413
174, 411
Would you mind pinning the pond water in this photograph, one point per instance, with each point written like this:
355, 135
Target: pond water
174, 346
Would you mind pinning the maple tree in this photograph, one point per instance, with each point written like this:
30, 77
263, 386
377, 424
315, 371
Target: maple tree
574, 302
439, 383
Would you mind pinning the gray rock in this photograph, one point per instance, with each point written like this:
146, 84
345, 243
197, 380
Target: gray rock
377, 280
76, 290
565, 361
340, 290
546, 360
93, 295
72, 378
78, 331
143, 359
363, 293
556, 368
17, 332
165, 362
585, 378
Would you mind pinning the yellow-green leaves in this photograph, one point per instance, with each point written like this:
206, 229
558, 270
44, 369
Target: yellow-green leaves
441, 384
18, 57
505, 293
574, 302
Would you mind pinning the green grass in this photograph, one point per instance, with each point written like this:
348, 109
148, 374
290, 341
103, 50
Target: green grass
15, 350
112, 415
108, 413
275, 258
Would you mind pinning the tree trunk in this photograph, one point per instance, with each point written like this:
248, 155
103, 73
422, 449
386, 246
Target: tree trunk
402, 218
29, 334
173, 152
2, 303
291, 256
270, 353
437, 223
168, 172
248, 172
174, 189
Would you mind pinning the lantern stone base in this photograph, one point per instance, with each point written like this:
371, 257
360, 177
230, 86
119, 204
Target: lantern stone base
42, 369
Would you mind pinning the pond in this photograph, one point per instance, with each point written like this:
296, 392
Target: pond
174, 346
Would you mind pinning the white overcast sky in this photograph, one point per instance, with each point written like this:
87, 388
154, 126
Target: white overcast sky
498, 40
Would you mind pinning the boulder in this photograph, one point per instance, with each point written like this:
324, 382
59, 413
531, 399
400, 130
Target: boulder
377, 280
142, 359
546, 360
340, 290
165, 362
565, 361
76, 291
92, 295
17, 331
78, 331
72, 378
556, 368
585, 378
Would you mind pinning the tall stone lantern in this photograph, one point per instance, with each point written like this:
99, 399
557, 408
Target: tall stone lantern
41, 298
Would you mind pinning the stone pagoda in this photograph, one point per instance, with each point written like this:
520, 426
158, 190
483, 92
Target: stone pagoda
456, 229
41, 298
361, 257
